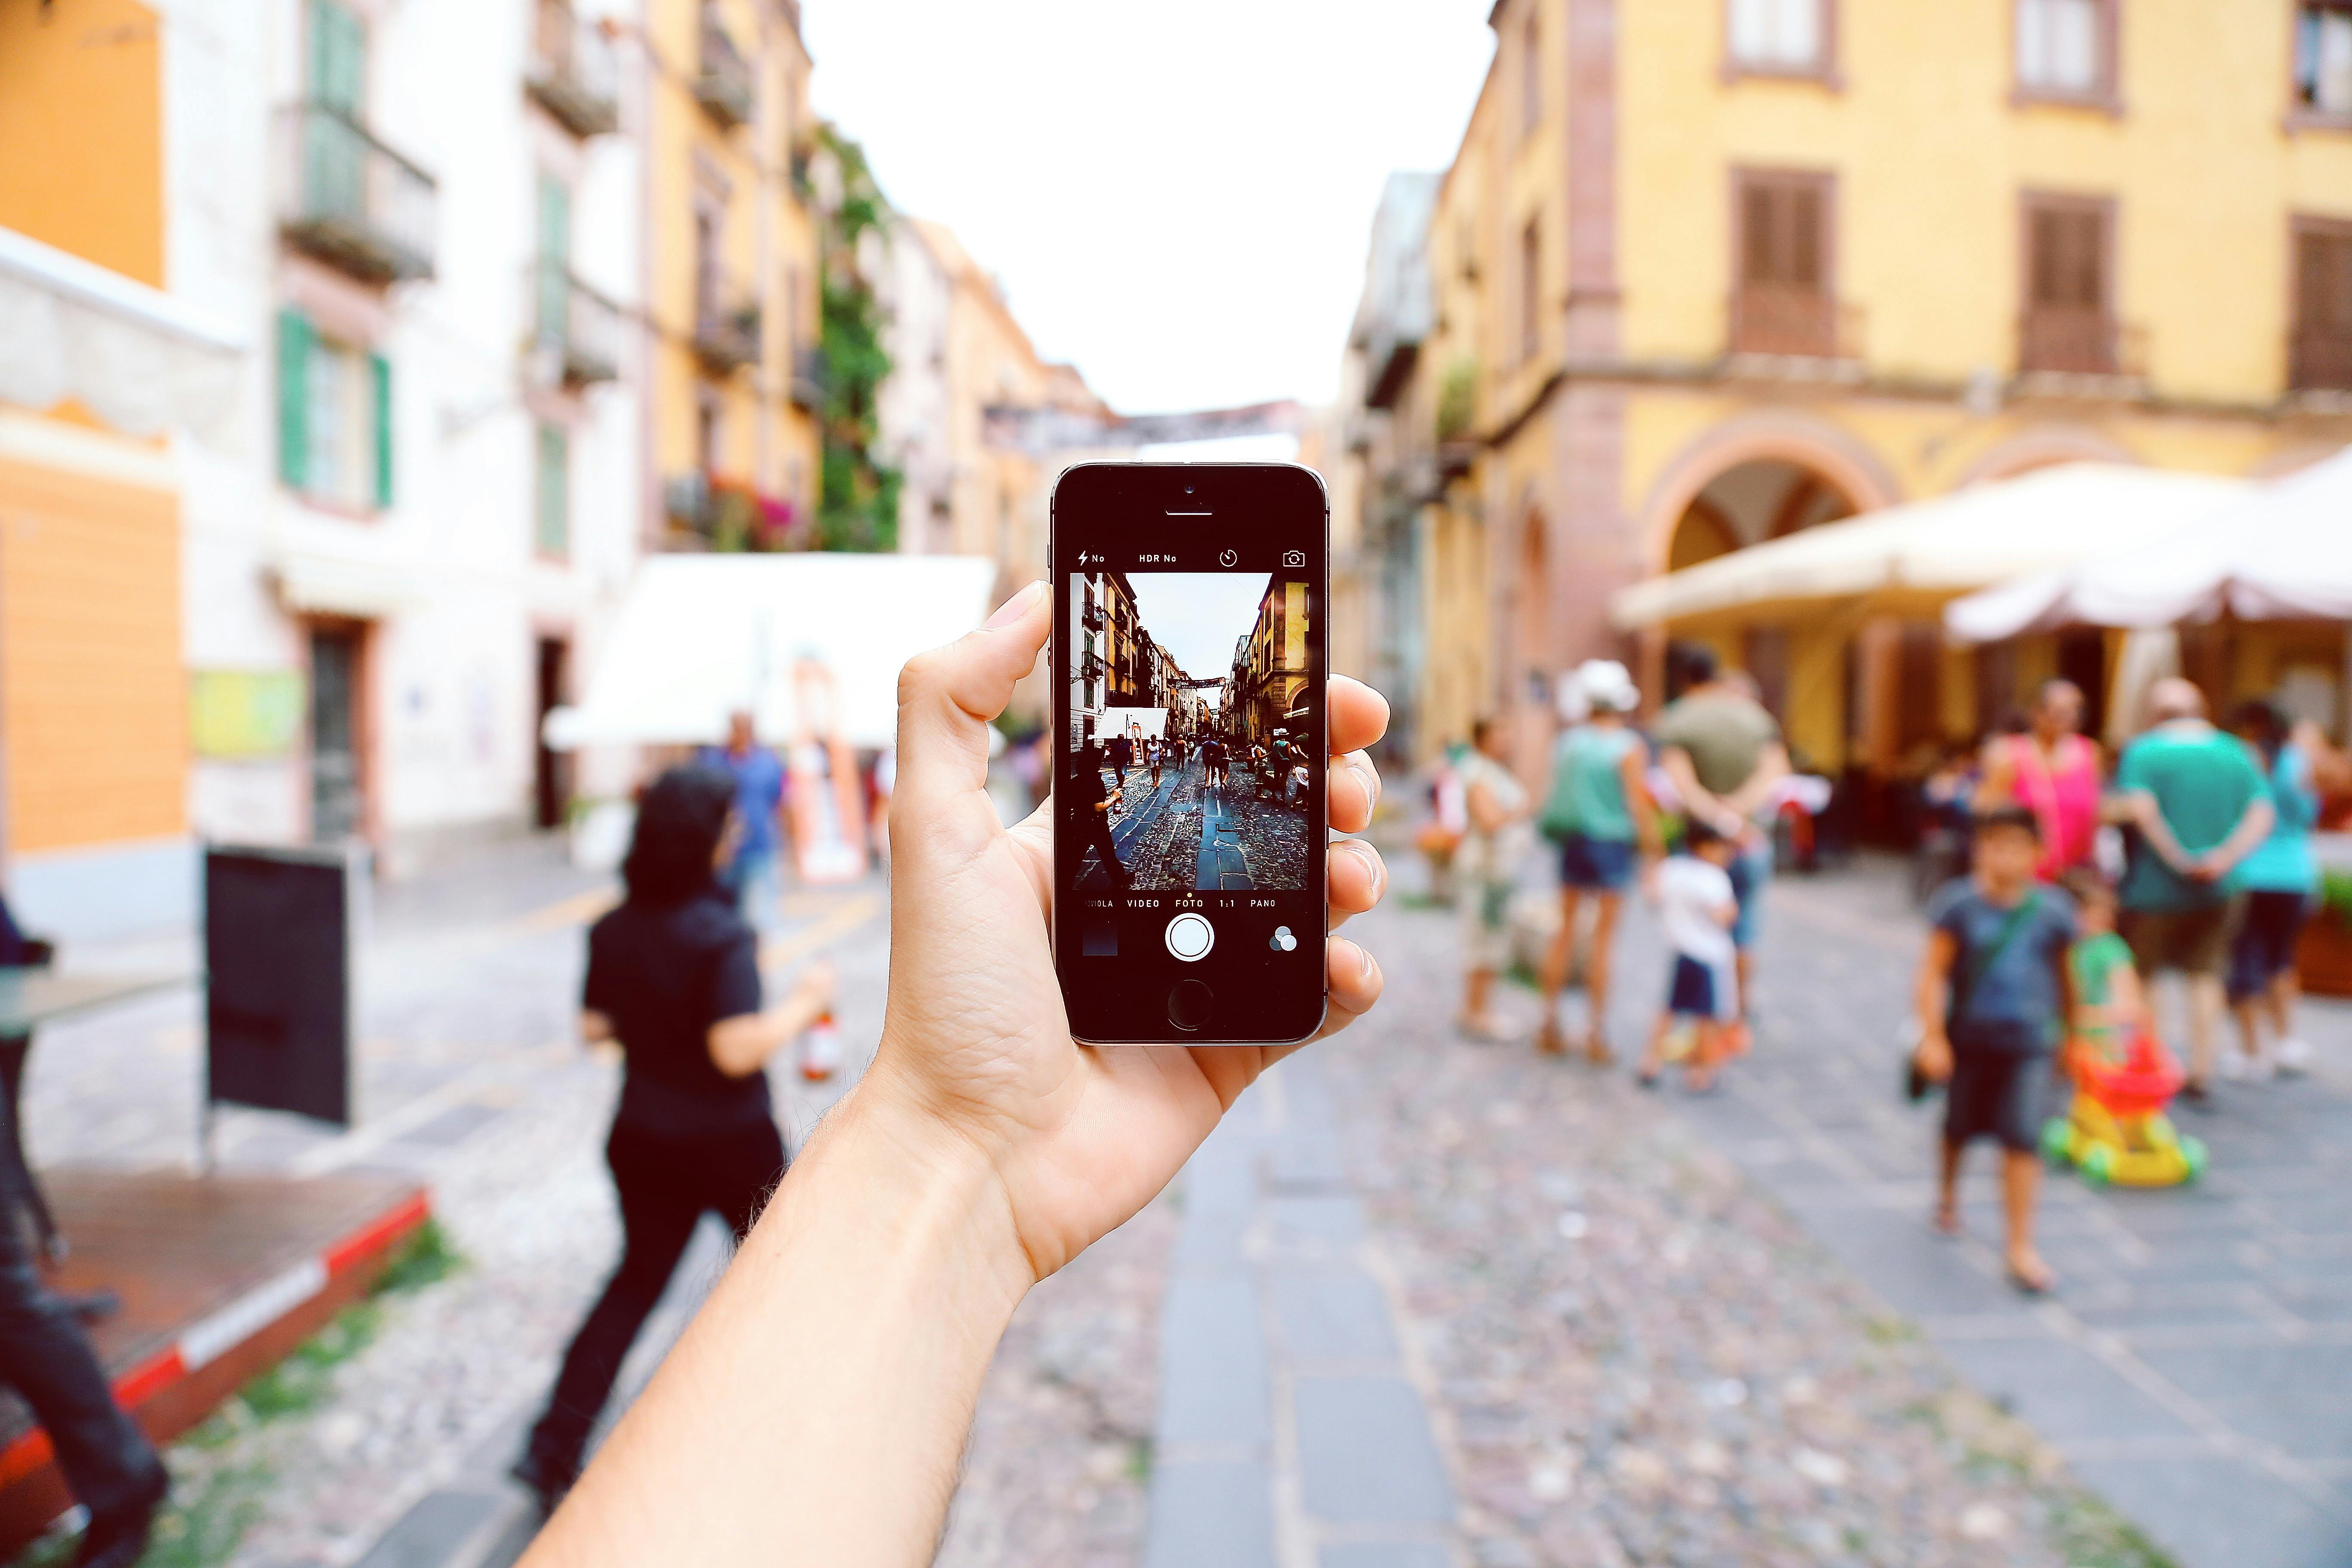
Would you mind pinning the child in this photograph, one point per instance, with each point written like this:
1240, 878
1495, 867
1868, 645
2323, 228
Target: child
1994, 993
1699, 910
2110, 1008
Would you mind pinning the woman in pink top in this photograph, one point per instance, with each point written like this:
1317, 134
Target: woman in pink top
2053, 771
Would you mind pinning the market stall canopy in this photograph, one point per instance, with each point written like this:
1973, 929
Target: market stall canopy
811, 640
1950, 544
2282, 550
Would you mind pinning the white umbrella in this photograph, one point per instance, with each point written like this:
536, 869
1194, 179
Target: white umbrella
2282, 552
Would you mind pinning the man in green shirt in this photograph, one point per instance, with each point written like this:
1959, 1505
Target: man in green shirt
2201, 806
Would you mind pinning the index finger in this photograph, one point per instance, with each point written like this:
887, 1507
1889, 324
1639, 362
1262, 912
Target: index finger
1360, 715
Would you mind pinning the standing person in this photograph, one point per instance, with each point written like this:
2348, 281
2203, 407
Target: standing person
674, 977
1723, 752
1492, 851
1121, 751
2281, 880
2052, 770
1097, 803
754, 873
1600, 814
1698, 908
1152, 748
2201, 807
1213, 761
1993, 997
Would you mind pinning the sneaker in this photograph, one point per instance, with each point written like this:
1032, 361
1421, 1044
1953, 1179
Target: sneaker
2293, 1056
2230, 1066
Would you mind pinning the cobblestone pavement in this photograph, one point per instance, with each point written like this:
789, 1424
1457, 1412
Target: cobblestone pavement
1183, 835
467, 1078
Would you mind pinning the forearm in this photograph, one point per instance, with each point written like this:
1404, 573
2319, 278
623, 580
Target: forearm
1697, 799
1771, 768
815, 1410
2246, 837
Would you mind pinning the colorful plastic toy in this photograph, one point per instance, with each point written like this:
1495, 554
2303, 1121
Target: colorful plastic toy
2115, 1130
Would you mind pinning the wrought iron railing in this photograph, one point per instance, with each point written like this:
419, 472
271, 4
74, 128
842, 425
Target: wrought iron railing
575, 73
350, 200
722, 83
575, 329
726, 325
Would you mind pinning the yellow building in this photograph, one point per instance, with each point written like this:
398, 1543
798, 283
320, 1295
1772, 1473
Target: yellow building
93, 693
1270, 665
1708, 271
732, 285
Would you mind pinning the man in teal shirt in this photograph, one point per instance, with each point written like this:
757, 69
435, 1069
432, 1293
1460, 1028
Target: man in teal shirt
2201, 806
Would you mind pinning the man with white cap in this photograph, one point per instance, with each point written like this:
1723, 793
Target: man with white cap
1601, 815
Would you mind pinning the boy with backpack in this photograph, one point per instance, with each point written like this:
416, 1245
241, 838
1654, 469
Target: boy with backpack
1994, 995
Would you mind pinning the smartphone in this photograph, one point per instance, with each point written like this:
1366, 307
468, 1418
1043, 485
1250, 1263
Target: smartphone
1189, 744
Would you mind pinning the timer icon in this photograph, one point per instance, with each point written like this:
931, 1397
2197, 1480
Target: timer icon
1227, 558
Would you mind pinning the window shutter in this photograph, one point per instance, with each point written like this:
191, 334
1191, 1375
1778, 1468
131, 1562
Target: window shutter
294, 399
379, 379
1757, 219
1804, 258
337, 58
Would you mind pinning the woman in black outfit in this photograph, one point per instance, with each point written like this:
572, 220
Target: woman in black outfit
674, 977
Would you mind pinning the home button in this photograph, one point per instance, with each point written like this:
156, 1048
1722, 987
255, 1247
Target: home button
1189, 1005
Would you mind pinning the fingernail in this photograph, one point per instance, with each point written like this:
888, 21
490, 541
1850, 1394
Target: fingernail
1013, 608
1374, 866
1365, 971
1373, 778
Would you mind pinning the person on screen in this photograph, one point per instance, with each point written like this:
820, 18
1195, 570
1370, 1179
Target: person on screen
1097, 802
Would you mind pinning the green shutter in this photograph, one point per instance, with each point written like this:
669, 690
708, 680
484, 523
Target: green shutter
380, 377
554, 530
337, 58
294, 399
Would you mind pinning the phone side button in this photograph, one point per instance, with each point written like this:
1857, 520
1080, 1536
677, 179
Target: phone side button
1190, 1005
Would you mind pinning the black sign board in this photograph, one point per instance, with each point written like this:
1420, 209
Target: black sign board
278, 952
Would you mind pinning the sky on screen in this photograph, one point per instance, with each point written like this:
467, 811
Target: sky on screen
1175, 197
1198, 616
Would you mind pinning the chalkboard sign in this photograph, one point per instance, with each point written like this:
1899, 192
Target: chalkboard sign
278, 954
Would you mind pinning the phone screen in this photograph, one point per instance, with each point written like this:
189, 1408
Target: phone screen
1189, 744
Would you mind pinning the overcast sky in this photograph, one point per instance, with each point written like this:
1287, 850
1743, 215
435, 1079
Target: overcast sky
1198, 616
1176, 197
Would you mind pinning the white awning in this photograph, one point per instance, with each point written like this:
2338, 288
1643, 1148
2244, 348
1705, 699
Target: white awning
335, 585
813, 638
139, 358
2279, 552
1950, 544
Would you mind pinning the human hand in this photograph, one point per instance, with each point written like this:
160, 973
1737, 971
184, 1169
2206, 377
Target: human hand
2206, 869
1934, 1055
976, 1054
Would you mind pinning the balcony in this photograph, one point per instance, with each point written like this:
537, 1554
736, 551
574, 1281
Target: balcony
722, 81
574, 73
1090, 615
726, 326
350, 200
2070, 342
810, 379
1795, 323
2321, 360
710, 513
576, 332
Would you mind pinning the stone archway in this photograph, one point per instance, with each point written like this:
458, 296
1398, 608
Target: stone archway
1762, 475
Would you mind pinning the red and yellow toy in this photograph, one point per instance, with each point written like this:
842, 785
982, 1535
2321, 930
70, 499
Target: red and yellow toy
2116, 1131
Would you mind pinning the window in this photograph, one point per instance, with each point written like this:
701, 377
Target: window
2065, 48
1530, 292
553, 295
337, 67
551, 497
1783, 302
334, 417
2323, 304
2069, 320
2322, 57
1781, 35
1531, 103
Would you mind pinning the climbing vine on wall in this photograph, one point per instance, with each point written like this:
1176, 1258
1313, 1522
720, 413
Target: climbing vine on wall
857, 500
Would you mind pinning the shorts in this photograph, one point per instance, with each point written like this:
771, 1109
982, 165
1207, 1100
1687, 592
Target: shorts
1603, 865
2002, 1095
1751, 870
1702, 990
2192, 940
2265, 947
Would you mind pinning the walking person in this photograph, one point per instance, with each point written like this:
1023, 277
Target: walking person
1492, 852
1151, 750
2053, 771
2281, 881
2201, 806
754, 872
1994, 993
1213, 762
1097, 803
674, 977
1723, 754
1600, 814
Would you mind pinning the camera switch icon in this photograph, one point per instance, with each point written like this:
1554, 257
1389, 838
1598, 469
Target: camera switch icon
1294, 558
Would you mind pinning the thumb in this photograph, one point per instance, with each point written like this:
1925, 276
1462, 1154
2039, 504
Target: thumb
946, 697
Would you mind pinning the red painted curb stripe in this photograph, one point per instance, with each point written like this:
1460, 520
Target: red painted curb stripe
152, 1376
